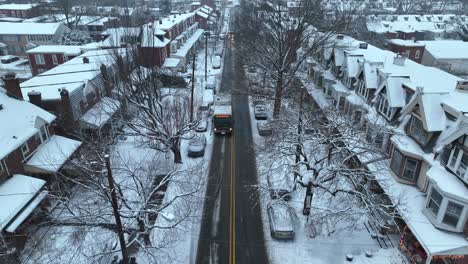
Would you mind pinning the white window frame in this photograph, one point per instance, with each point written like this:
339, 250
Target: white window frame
54, 59
39, 58
2, 167
412, 128
446, 211
45, 129
439, 204
454, 163
25, 149
381, 105
417, 54
407, 53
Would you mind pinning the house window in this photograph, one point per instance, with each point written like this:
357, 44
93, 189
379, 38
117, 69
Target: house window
416, 130
25, 149
54, 59
458, 162
407, 53
383, 107
435, 199
452, 214
2, 169
404, 167
39, 59
417, 54
44, 133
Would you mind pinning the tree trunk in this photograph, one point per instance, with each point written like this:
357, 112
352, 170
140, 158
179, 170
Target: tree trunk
143, 232
278, 96
176, 151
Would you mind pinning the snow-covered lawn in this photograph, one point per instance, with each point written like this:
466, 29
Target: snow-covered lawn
332, 242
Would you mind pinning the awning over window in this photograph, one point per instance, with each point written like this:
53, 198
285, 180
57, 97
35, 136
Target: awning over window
19, 196
100, 113
51, 155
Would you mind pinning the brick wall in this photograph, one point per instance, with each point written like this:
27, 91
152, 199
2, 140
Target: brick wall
48, 62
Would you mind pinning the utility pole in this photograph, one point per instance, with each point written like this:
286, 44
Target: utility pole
206, 54
193, 87
115, 208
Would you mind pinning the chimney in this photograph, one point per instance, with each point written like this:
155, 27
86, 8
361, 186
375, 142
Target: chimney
85, 60
160, 22
12, 85
66, 113
363, 45
399, 60
35, 98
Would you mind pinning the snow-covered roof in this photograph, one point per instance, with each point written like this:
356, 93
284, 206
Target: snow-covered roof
169, 22
447, 49
395, 94
100, 113
183, 51
117, 35
406, 43
447, 183
152, 37
62, 49
171, 63
20, 120
71, 75
15, 195
410, 23
9, 28
51, 155
11, 19
17, 6
94, 20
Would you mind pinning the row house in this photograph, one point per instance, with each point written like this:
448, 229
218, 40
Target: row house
417, 116
79, 93
32, 159
411, 49
46, 57
20, 10
414, 27
19, 37
95, 25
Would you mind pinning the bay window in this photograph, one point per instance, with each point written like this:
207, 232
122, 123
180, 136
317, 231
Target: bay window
404, 167
458, 162
435, 200
452, 214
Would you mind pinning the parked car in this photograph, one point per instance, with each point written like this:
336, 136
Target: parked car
211, 83
264, 128
260, 112
280, 185
281, 221
197, 146
7, 59
217, 62
202, 125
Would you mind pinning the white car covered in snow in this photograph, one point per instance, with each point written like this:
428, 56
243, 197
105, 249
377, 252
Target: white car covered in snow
217, 62
281, 221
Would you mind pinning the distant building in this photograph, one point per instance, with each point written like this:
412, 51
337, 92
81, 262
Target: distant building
19, 10
411, 49
19, 37
448, 55
46, 57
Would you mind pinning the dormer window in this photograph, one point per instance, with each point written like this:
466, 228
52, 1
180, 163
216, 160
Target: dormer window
44, 133
383, 107
404, 167
416, 130
458, 162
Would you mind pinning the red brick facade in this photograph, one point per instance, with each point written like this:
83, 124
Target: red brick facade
413, 52
21, 13
48, 61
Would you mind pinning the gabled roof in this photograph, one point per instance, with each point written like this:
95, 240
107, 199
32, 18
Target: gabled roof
20, 120
432, 113
9, 28
395, 94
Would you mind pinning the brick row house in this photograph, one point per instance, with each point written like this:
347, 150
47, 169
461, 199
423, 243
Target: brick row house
46, 57
19, 37
20, 10
32, 160
78, 93
417, 115
415, 27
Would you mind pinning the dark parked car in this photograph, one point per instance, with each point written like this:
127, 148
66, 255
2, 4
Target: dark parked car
281, 221
202, 125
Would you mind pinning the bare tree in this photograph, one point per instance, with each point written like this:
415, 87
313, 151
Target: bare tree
271, 35
330, 158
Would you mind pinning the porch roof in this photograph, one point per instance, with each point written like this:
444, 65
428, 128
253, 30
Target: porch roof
100, 113
17, 195
171, 63
51, 156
